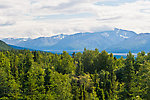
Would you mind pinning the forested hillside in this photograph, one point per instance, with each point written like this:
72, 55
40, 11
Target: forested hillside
4, 46
91, 75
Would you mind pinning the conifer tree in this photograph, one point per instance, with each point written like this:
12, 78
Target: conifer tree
129, 77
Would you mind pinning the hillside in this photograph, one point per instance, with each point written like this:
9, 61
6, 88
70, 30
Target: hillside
4, 46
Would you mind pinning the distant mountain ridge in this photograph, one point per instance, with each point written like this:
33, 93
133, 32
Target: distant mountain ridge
38, 43
117, 40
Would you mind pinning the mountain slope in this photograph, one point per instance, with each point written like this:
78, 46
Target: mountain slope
20, 48
80, 41
116, 40
15, 41
134, 44
40, 43
100, 40
4, 46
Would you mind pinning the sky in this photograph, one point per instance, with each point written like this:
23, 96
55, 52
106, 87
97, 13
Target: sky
45, 18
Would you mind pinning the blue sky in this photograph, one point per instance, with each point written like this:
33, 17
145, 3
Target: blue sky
43, 18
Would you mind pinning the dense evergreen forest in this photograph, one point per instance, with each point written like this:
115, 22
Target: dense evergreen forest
91, 75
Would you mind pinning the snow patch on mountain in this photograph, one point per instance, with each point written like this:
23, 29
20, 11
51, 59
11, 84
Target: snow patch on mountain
105, 34
61, 36
123, 36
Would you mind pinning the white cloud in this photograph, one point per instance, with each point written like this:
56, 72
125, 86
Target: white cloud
18, 17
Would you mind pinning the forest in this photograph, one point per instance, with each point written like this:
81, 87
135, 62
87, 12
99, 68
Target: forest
91, 75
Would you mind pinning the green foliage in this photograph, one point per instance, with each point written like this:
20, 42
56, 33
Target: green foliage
91, 75
65, 64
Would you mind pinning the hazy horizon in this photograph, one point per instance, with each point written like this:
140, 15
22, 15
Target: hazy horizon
64, 34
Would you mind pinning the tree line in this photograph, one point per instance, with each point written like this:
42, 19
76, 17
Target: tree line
91, 75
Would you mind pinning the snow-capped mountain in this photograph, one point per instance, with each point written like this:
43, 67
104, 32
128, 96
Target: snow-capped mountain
116, 40
135, 44
14, 41
38, 43
100, 40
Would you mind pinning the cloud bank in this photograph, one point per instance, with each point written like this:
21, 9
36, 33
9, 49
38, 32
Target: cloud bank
42, 18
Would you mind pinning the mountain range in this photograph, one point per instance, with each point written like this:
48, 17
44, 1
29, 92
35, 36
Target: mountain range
117, 40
